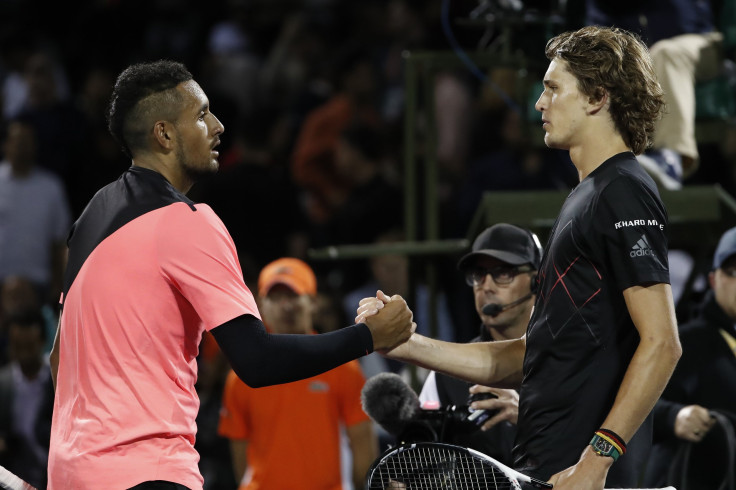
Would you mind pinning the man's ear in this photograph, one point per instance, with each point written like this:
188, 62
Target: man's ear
598, 100
163, 134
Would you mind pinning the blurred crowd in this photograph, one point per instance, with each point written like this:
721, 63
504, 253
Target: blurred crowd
312, 96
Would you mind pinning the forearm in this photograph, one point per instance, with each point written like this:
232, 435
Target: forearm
644, 381
488, 363
652, 311
257, 356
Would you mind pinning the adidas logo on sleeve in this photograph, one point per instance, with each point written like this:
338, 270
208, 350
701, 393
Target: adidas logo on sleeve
641, 248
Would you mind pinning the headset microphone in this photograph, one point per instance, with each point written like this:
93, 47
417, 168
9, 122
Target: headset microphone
493, 309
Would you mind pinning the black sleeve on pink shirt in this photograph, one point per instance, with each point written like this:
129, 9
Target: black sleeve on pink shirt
262, 359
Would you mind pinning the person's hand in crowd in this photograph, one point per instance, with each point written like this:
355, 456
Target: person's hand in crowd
693, 422
504, 402
389, 319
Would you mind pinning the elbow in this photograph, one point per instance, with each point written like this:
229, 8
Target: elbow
676, 350
252, 378
673, 346
670, 350
666, 350
257, 383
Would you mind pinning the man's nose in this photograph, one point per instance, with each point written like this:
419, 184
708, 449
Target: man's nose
538, 105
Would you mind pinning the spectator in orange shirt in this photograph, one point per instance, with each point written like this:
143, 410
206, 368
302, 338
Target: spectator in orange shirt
313, 162
298, 422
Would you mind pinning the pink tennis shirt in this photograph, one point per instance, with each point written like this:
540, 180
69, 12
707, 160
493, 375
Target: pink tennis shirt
148, 272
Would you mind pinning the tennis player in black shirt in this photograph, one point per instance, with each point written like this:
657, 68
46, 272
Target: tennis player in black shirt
602, 340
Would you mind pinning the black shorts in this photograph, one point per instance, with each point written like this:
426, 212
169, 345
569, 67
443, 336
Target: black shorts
158, 485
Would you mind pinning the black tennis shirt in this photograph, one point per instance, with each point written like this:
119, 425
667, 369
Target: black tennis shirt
610, 235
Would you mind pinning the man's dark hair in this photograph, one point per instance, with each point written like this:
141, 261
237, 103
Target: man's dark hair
27, 319
143, 93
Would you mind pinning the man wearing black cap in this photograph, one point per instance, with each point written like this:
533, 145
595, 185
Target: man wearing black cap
704, 381
501, 269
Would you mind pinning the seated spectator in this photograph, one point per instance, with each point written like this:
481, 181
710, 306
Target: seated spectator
313, 164
17, 295
704, 380
26, 400
60, 127
501, 269
35, 215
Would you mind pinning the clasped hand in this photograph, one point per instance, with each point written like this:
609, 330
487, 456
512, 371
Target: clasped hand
389, 319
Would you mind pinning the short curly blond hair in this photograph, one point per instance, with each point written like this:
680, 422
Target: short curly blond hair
614, 61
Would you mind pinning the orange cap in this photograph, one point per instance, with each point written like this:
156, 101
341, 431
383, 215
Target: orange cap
293, 273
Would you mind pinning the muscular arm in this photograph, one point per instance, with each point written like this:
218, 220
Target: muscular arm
257, 356
496, 363
364, 447
652, 311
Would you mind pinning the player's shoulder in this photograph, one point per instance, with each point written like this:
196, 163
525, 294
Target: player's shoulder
623, 178
627, 171
184, 225
192, 213
190, 209
620, 168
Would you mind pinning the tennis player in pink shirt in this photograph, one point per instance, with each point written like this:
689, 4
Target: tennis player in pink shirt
149, 271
